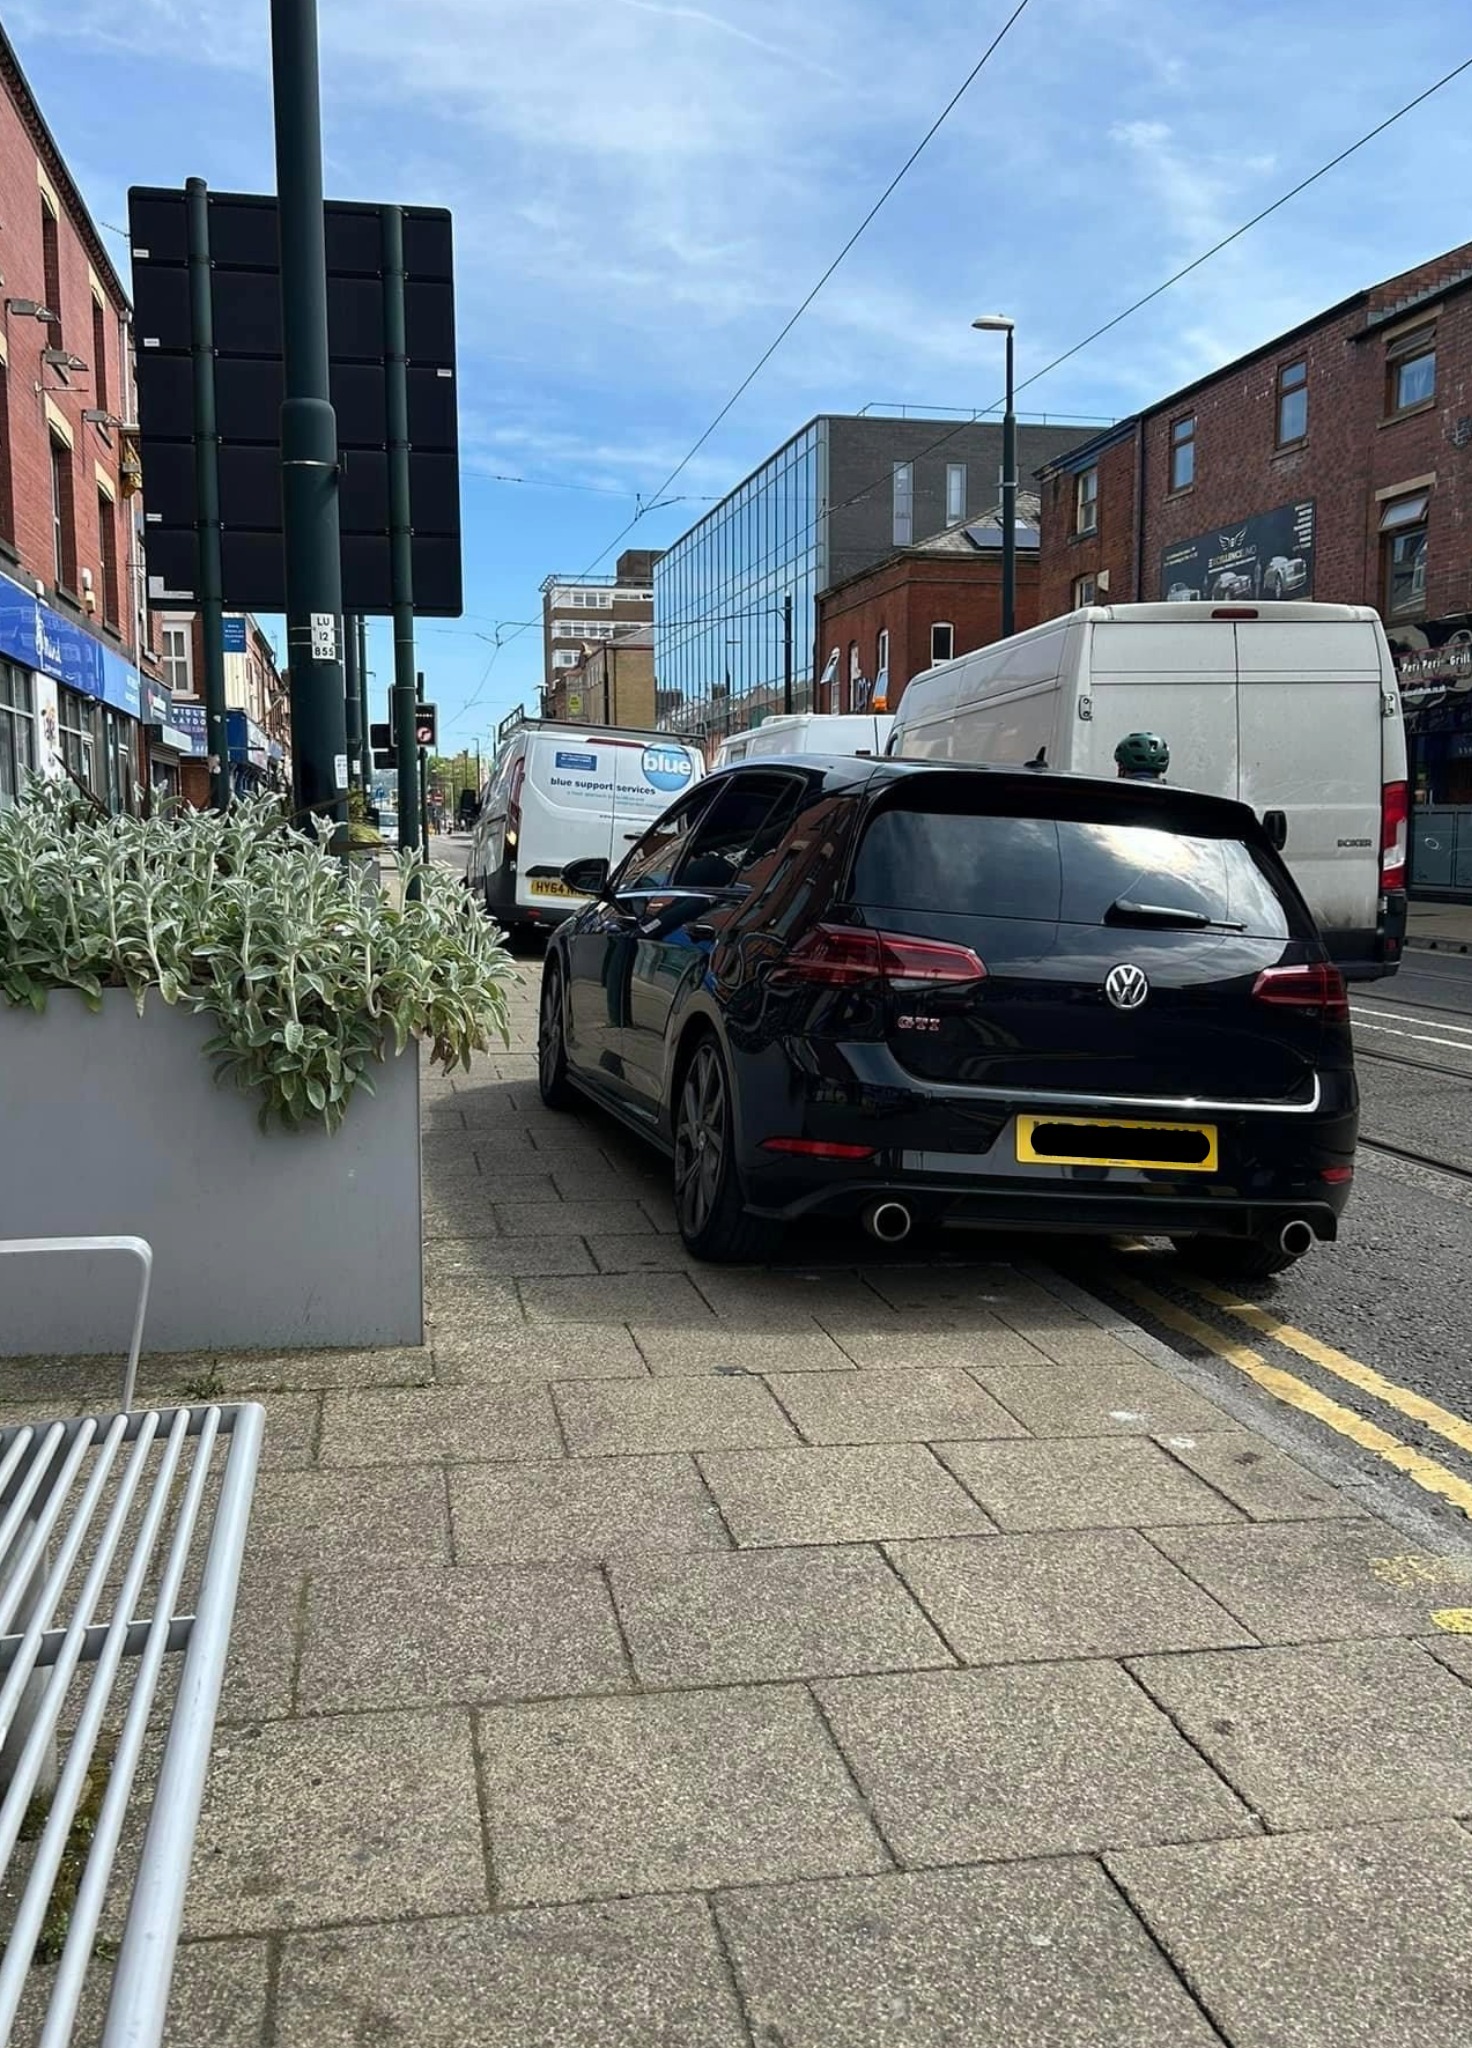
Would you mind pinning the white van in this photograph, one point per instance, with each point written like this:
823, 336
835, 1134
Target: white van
807, 732
1290, 707
560, 793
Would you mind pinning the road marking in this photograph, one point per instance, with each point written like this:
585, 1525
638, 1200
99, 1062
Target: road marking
1455, 1428
1417, 1037
1456, 1621
1296, 1393
1404, 1017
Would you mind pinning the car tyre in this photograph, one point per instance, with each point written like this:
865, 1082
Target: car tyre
553, 1082
709, 1207
1234, 1258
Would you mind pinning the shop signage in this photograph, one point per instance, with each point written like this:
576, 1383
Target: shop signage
37, 637
246, 741
189, 719
1433, 659
1270, 555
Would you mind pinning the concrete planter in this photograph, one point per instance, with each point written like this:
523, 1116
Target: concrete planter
113, 1123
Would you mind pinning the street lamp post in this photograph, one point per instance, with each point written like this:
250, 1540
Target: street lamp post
1000, 323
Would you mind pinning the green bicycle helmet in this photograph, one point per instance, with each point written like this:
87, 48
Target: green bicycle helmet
1142, 754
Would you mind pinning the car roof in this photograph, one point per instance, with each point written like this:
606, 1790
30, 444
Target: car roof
1180, 808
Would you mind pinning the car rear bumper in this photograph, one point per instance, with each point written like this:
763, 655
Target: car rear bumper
1373, 953
955, 1160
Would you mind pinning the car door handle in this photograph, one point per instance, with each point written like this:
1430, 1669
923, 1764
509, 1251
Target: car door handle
702, 930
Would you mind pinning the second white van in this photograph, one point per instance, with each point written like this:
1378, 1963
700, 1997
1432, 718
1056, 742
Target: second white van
560, 793
808, 732
1290, 707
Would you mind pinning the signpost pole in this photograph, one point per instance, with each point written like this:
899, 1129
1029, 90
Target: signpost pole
207, 489
423, 771
353, 675
366, 737
309, 460
400, 537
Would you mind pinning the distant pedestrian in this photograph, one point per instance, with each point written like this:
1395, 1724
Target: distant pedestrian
1142, 757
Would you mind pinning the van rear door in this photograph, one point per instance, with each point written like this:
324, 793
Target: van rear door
567, 813
1177, 678
1310, 718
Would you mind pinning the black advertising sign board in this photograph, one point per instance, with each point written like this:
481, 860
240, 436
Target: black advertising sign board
381, 736
1270, 555
426, 726
246, 291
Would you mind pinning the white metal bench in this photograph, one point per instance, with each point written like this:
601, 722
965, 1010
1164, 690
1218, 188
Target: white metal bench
121, 1539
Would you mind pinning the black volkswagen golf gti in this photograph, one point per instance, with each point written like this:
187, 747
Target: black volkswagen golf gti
918, 995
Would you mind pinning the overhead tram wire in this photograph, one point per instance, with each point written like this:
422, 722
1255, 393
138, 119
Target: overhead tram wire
767, 354
944, 440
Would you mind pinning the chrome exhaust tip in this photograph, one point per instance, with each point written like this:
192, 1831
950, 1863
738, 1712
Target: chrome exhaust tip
1296, 1237
890, 1222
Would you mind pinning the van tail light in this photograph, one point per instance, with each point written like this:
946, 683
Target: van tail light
1395, 825
850, 956
1234, 611
513, 801
1317, 989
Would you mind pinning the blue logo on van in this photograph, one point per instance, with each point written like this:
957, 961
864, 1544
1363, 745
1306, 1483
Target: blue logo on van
667, 768
583, 763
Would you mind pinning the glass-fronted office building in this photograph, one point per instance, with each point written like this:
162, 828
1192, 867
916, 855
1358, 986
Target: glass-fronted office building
719, 594
841, 495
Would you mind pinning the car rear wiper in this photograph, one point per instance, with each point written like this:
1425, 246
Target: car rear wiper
1167, 917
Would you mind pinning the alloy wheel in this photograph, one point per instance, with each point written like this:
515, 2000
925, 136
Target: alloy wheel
549, 1034
700, 1141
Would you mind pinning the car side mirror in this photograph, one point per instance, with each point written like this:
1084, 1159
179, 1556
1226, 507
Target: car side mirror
586, 877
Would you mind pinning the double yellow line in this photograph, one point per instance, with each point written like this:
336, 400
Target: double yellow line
1297, 1393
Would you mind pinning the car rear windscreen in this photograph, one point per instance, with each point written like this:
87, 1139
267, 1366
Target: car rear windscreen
1064, 871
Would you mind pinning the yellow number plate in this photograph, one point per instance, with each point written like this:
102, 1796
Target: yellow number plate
549, 885
1090, 1141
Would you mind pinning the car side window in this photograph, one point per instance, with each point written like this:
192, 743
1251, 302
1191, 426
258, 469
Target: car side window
743, 827
652, 861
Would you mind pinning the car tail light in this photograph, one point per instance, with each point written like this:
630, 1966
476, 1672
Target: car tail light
848, 956
816, 1148
513, 800
1395, 824
1318, 988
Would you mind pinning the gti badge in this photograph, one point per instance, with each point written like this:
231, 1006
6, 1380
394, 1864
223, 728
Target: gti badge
1126, 986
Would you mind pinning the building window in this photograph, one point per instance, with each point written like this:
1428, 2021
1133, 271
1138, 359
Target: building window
904, 504
99, 355
955, 492
1085, 591
120, 766
881, 657
77, 728
178, 660
1183, 453
942, 642
1410, 371
51, 272
1403, 538
107, 536
63, 515
1292, 403
565, 657
17, 732
7, 492
1086, 501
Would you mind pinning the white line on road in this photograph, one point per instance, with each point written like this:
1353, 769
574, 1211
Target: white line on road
1418, 1037
1403, 1017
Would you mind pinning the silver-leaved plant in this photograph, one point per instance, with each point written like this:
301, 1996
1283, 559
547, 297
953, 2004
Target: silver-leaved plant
313, 975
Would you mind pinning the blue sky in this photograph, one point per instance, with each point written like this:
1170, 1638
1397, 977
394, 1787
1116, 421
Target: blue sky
643, 190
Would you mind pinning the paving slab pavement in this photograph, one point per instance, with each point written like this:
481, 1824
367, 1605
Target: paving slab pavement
861, 1653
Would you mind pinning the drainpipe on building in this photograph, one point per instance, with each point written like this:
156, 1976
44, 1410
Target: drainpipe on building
1139, 510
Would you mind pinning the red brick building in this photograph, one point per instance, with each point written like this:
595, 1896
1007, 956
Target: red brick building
1334, 462
71, 696
880, 629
